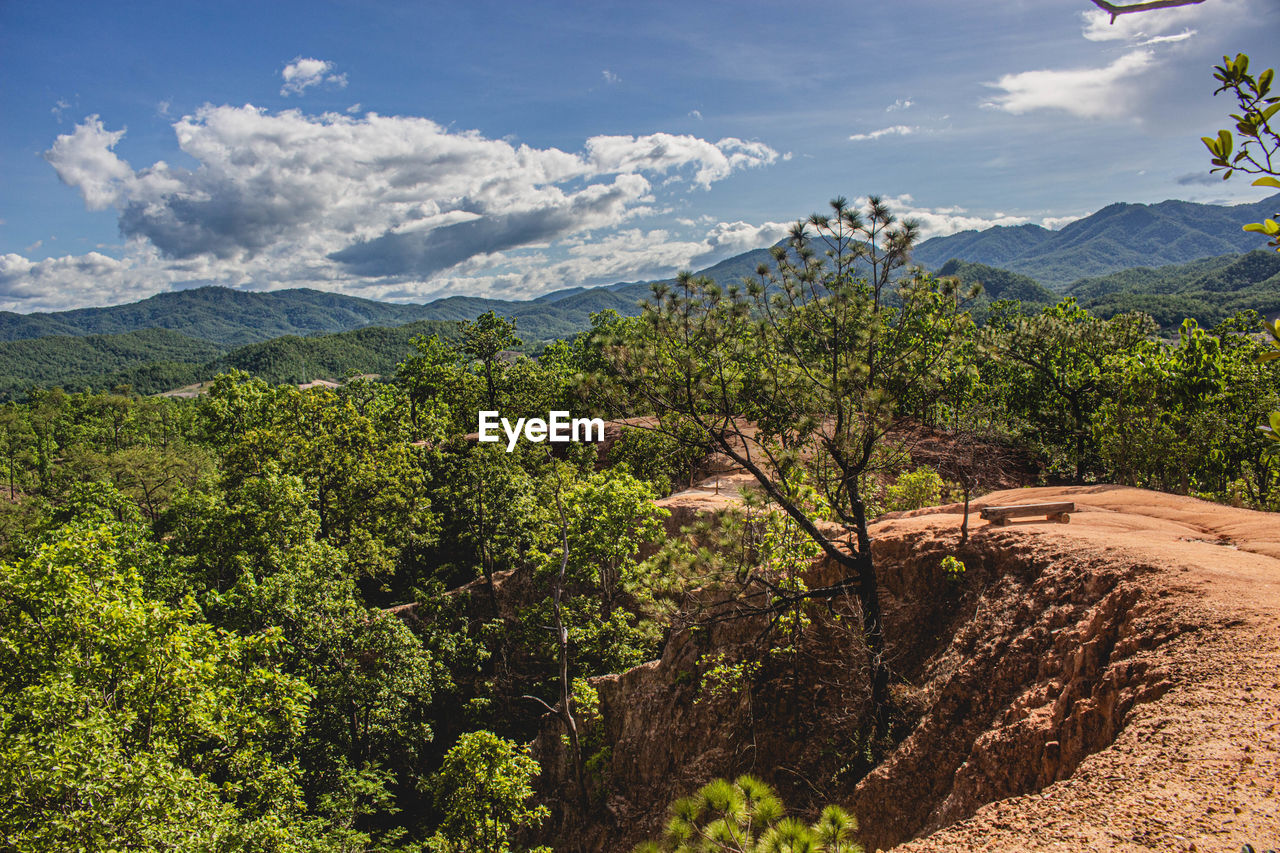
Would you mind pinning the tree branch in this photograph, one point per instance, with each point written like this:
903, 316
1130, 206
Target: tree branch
1115, 10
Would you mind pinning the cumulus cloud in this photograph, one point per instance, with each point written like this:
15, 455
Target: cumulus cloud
1055, 223
610, 77
389, 203
941, 221
1104, 92
305, 72
52, 283
896, 130
900, 104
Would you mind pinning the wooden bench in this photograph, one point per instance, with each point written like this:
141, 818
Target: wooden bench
1000, 515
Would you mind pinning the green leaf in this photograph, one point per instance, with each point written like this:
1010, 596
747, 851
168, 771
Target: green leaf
1269, 226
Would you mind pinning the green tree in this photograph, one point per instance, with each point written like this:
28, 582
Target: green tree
746, 816
801, 379
484, 339
1259, 154
484, 788
1259, 151
130, 724
1049, 369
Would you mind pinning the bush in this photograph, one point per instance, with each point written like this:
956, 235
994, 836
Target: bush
915, 490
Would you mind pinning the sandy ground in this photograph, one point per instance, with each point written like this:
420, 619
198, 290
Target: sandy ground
1199, 768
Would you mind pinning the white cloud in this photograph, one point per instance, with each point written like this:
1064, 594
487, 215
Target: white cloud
60, 106
610, 77
91, 279
1182, 36
941, 221
1086, 92
896, 130
382, 203
302, 73
1054, 223
695, 114
84, 159
900, 104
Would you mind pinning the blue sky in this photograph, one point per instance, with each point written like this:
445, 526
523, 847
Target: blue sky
411, 150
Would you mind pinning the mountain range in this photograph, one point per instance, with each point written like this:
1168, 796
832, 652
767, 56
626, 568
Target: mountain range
1117, 237
1173, 259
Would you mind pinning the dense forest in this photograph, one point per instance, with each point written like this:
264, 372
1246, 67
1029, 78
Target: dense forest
276, 619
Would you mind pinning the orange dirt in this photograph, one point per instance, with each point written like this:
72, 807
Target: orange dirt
1108, 684
1197, 768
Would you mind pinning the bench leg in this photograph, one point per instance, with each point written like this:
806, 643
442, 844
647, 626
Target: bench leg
1061, 517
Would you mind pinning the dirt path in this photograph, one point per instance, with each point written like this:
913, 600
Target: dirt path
1198, 768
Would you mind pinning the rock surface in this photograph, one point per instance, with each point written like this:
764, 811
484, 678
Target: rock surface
1110, 684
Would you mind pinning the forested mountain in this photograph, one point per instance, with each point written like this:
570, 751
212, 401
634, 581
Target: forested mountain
219, 315
152, 359
232, 318
1209, 290
155, 360
1117, 237
998, 284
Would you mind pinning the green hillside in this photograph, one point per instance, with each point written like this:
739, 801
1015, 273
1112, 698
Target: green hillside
1209, 290
101, 361
156, 360
219, 315
997, 284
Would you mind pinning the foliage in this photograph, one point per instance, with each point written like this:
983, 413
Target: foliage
128, 723
483, 789
1049, 369
666, 461
799, 379
746, 816
484, 339
1259, 151
952, 566
915, 490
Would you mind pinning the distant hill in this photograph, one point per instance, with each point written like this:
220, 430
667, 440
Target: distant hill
166, 358
231, 318
219, 315
1210, 289
1120, 236
998, 284
155, 360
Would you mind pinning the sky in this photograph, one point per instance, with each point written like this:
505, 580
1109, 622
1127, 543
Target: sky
406, 151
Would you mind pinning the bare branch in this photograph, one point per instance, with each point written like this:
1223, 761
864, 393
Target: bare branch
1115, 10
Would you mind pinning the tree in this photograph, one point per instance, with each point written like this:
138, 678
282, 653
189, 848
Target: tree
746, 816
1259, 151
801, 379
1117, 9
1051, 369
127, 723
483, 339
483, 787
1259, 154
